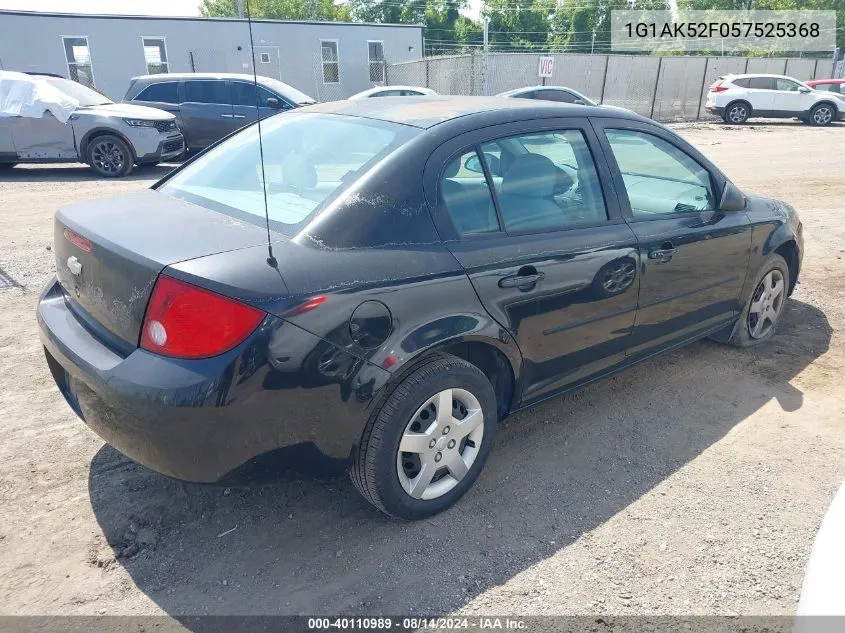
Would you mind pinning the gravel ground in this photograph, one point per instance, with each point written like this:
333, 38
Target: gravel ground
692, 484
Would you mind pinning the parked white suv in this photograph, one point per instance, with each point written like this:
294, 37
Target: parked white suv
736, 98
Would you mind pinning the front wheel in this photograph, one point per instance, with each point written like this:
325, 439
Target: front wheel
109, 156
822, 114
764, 308
425, 446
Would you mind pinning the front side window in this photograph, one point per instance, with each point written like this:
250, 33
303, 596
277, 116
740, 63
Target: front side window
309, 159
78, 56
467, 197
660, 178
545, 181
165, 92
243, 94
207, 92
331, 62
557, 95
155, 54
375, 54
786, 84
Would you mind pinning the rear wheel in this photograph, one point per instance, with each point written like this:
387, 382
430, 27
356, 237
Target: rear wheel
737, 113
425, 446
109, 156
765, 306
822, 114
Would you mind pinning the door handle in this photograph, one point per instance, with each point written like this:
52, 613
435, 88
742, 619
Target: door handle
663, 254
239, 116
228, 116
518, 281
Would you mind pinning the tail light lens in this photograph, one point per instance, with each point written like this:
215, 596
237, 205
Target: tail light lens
185, 321
718, 87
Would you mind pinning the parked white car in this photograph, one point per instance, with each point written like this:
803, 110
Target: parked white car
394, 91
736, 98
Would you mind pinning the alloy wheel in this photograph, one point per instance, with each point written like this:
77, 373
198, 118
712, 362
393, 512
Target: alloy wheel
108, 157
737, 114
822, 115
766, 304
440, 444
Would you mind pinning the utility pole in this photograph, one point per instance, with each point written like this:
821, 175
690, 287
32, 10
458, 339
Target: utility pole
484, 69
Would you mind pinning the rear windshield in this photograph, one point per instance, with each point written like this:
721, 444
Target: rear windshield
309, 159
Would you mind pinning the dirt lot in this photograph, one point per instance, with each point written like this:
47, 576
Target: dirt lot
693, 484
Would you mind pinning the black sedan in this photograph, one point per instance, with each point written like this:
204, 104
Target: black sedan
428, 266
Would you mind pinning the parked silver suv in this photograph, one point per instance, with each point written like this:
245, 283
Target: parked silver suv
47, 119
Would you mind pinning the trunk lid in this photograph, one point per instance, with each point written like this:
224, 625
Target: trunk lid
110, 251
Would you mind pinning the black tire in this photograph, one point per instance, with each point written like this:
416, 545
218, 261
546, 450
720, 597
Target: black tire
736, 113
742, 336
375, 464
109, 156
822, 114
4, 166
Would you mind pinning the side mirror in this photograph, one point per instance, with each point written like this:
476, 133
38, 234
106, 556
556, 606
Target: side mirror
272, 102
473, 164
803, 89
732, 198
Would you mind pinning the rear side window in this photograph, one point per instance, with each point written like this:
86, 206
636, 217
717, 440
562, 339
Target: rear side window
742, 83
466, 195
207, 92
761, 83
548, 181
165, 92
309, 159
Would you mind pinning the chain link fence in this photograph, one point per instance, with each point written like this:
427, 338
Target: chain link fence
662, 88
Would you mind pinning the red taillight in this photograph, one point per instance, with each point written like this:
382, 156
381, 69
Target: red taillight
77, 240
185, 321
717, 87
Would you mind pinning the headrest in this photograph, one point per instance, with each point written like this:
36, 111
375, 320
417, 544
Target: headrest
453, 168
530, 175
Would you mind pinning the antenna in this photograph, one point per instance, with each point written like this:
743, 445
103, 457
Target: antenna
271, 260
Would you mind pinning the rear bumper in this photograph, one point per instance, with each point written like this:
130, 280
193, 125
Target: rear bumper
712, 109
199, 420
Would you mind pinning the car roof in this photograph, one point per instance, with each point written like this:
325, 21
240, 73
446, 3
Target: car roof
426, 112
743, 76
184, 76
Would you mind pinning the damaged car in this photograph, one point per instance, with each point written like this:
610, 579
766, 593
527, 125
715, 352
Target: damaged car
49, 119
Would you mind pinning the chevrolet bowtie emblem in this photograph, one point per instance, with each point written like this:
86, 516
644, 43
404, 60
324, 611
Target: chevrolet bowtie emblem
73, 265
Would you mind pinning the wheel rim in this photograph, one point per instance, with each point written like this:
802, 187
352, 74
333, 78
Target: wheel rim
737, 114
108, 157
822, 115
619, 279
766, 304
440, 444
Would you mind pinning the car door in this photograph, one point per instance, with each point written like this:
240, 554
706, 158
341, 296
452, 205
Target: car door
532, 218
761, 94
244, 100
788, 98
206, 109
43, 138
693, 258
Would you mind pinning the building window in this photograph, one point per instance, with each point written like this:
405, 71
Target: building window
331, 64
155, 54
78, 57
375, 53
265, 58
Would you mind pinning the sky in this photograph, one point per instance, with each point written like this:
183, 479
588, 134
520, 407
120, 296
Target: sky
133, 7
